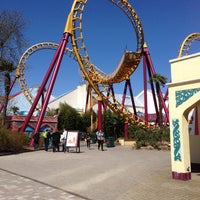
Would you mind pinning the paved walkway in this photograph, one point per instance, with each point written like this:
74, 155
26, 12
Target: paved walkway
118, 173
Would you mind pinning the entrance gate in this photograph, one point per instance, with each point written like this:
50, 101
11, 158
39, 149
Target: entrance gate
184, 95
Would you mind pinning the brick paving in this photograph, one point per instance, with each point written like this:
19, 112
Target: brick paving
118, 173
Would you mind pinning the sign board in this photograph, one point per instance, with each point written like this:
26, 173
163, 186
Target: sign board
73, 140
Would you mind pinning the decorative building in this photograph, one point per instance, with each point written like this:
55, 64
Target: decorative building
16, 121
184, 98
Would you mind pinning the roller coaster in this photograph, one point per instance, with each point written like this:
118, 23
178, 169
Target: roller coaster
186, 44
101, 82
98, 80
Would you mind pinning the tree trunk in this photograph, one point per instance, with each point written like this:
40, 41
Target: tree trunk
6, 97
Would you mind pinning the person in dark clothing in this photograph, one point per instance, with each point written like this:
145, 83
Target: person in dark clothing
100, 137
56, 140
36, 138
88, 138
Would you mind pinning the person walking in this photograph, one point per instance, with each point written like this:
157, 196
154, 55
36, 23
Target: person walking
100, 139
88, 139
50, 130
55, 141
63, 139
36, 138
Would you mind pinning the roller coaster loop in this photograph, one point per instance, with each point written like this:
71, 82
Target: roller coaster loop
98, 80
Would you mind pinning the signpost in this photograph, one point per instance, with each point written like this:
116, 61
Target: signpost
73, 140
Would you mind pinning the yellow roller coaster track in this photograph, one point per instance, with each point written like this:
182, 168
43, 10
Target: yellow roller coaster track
97, 79
20, 72
186, 44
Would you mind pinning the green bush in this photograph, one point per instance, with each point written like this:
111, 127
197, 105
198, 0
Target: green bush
141, 138
152, 137
12, 141
165, 132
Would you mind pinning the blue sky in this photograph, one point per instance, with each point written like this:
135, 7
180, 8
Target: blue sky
107, 32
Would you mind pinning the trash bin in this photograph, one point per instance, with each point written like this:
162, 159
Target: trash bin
110, 142
93, 140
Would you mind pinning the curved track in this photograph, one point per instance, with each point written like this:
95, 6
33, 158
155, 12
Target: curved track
20, 72
96, 78
129, 61
186, 44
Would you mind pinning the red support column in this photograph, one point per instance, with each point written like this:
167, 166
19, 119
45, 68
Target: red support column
132, 97
124, 94
51, 84
145, 89
41, 89
126, 130
149, 64
99, 113
55, 64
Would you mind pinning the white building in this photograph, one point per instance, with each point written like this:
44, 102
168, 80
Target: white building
77, 99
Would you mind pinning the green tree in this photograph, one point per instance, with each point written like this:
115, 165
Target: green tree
15, 109
159, 80
112, 124
87, 121
69, 118
12, 42
6, 67
52, 112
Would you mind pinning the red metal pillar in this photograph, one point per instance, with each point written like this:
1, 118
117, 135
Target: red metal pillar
41, 89
51, 84
126, 130
57, 63
124, 94
145, 89
91, 111
128, 84
123, 102
150, 66
132, 97
99, 113
166, 121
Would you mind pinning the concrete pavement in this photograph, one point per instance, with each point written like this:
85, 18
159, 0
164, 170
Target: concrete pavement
118, 173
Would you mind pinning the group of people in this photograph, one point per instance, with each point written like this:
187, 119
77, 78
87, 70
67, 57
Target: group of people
100, 139
50, 139
56, 138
